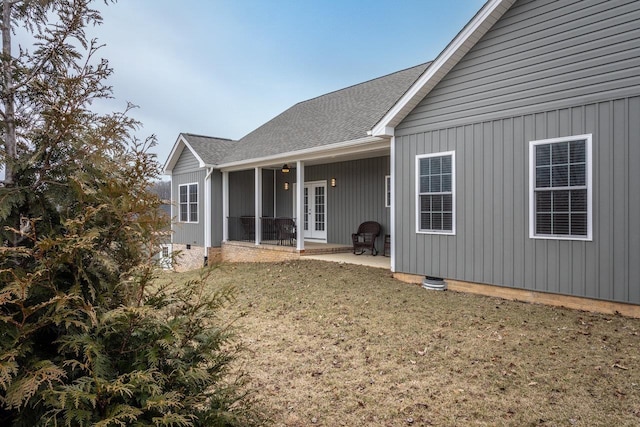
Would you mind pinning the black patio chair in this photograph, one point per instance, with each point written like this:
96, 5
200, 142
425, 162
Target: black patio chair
365, 238
286, 230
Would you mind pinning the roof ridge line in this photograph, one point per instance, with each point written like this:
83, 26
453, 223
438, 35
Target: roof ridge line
207, 136
361, 83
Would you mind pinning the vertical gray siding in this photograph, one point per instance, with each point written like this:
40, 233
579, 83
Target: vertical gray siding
188, 233
358, 196
492, 243
241, 193
284, 198
541, 54
267, 192
216, 209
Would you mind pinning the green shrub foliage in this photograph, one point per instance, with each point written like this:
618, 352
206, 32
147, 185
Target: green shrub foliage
88, 335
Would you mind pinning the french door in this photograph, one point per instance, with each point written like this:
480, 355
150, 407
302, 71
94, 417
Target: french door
314, 223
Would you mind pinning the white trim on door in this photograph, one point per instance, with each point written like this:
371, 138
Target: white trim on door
316, 214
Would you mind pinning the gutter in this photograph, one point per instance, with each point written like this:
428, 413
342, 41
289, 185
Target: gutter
325, 151
207, 214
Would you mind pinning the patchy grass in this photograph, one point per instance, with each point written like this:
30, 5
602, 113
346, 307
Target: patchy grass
344, 345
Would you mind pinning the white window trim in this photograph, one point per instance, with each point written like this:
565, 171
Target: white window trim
188, 221
453, 193
532, 184
387, 191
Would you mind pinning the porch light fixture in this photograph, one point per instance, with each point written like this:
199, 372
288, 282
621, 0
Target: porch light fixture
285, 168
286, 186
333, 182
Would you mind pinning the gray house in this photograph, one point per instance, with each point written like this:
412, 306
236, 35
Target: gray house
512, 159
196, 194
235, 192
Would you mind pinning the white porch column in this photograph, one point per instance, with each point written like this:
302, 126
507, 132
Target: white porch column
258, 204
225, 206
300, 213
392, 216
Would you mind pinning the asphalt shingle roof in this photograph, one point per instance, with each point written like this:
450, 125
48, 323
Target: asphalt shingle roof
210, 149
339, 116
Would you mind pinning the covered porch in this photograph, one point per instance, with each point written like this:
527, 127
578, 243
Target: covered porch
265, 207
234, 251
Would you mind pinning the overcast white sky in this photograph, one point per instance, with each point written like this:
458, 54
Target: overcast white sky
224, 67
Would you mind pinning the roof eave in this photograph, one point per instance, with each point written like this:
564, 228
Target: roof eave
440, 67
176, 151
314, 153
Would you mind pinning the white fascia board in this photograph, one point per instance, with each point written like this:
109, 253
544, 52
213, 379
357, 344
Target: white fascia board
448, 58
176, 151
201, 162
354, 146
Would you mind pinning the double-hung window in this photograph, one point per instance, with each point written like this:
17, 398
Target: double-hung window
560, 196
188, 202
435, 184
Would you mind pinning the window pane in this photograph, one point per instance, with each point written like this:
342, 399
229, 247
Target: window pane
561, 201
193, 193
446, 164
424, 184
183, 194
425, 223
447, 221
436, 165
543, 223
560, 176
543, 177
561, 223
193, 212
183, 213
446, 182
447, 203
425, 203
435, 184
436, 204
543, 155
543, 201
579, 224
578, 174
436, 221
560, 153
579, 200
578, 151
424, 167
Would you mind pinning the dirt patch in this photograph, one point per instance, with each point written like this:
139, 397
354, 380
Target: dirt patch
343, 345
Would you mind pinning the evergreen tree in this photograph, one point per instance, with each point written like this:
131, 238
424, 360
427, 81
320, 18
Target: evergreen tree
88, 337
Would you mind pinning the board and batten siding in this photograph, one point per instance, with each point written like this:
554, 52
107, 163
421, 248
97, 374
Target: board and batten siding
242, 194
359, 195
492, 243
540, 55
216, 209
186, 171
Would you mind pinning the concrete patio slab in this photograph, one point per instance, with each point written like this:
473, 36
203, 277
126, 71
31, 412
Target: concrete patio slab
378, 261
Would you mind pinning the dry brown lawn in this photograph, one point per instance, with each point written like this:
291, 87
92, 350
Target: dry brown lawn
343, 345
